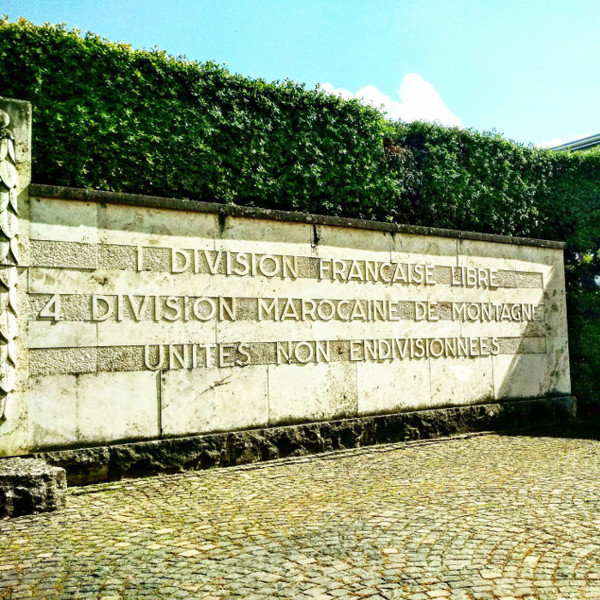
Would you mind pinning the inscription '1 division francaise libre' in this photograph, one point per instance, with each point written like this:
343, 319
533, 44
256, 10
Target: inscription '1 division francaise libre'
147, 318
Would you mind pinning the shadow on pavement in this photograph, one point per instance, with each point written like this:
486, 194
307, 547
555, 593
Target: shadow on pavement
585, 426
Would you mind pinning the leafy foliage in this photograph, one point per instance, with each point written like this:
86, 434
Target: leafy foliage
108, 117
111, 118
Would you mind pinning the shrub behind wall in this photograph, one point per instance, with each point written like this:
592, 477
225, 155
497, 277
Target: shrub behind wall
111, 118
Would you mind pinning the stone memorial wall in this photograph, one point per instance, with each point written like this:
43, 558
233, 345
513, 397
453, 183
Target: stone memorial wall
144, 318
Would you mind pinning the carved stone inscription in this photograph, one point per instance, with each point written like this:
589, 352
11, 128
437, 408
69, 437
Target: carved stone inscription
178, 310
172, 321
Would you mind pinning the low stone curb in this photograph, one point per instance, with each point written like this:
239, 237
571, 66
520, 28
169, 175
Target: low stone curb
172, 455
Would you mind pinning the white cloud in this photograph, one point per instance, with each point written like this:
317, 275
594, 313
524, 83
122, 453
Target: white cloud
419, 101
341, 92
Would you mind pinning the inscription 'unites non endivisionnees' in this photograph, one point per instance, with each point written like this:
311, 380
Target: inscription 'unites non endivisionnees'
189, 356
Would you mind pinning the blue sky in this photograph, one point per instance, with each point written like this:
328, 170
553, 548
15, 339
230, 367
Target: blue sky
525, 68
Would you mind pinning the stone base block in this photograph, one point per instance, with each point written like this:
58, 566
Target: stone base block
111, 463
29, 485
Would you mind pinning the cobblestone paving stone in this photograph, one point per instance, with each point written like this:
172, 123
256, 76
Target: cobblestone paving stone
473, 518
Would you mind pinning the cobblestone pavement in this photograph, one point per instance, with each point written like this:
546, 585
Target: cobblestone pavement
472, 518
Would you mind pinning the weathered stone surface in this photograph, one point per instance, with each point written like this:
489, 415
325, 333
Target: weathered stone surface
29, 485
82, 466
138, 459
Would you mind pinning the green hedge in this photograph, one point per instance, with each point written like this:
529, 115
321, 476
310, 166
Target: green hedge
111, 118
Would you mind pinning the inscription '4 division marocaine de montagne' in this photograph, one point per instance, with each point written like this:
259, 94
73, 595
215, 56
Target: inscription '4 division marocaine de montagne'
146, 318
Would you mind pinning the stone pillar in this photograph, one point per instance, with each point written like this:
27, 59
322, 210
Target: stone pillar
15, 177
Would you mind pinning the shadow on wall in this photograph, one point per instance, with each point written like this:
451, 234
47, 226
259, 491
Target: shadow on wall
540, 365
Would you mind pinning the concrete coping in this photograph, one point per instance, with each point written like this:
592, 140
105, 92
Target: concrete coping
66, 193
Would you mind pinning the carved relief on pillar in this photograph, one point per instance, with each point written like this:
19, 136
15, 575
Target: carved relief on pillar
8, 261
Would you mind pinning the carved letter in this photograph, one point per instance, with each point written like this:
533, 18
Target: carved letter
101, 308
429, 275
51, 309
493, 279
355, 350
495, 347
140, 309
180, 260
227, 309
325, 268
263, 265
323, 354
180, 356
420, 311
290, 267
174, 305
299, 351
212, 309
213, 266
283, 354
160, 351
267, 309
289, 311
244, 351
